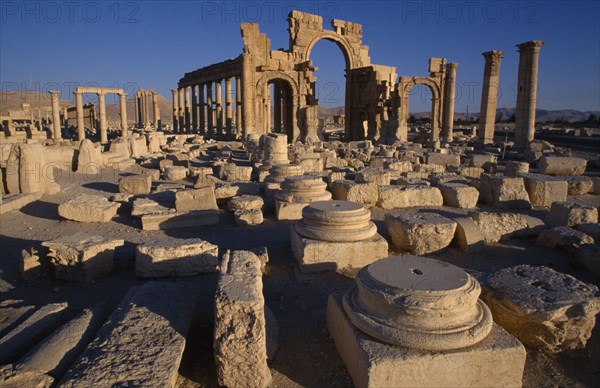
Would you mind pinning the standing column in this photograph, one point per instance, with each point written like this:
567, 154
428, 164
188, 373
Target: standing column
180, 114
489, 96
527, 92
238, 107
201, 106
209, 109
123, 108
449, 100
79, 110
277, 108
228, 111
136, 106
175, 110
102, 113
267, 108
56, 133
248, 94
155, 111
144, 109
219, 103
188, 108
194, 109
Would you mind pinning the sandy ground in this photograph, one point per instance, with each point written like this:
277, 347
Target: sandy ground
307, 355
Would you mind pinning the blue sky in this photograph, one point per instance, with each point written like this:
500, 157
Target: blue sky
151, 44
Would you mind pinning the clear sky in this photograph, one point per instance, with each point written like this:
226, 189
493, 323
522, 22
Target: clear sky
47, 45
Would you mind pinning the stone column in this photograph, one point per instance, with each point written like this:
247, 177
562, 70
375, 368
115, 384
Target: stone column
180, 114
228, 110
527, 92
247, 81
277, 108
188, 108
489, 96
194, 109
102, 114
238, 107
136, 107
209, 109
79, 109
54, 98
435, 128
267, 109
202, 108
155, 111
449, 100
123, 108
219, 106
175, 110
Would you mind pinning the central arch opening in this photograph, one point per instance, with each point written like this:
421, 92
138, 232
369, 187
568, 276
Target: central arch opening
281, 107
329, 90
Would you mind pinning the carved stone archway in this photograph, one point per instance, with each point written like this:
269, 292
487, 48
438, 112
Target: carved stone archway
263, 102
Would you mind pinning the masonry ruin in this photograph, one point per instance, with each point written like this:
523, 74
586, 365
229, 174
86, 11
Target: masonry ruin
230, 242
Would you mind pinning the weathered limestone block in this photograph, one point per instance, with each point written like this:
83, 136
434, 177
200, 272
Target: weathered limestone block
400, 165
504, 193
175, 173
311, 165
468, 237
571, 214
136, 184
371, 174
390, 331
579, 185
596, 188
88, 208
246, 202
565, 238
443, 159
273, 148
513, 168
142, 342
482, 160
9, 316
364, 193
231, 172
420, 233
12, 170
248, 217
174, 220
11, 378
470, 172
426, 169
459, 195
82, 258
297, 192
89, 158
499, 226
55, 354
543, 189
39, 324
543, 308
240, 334
558, 165
175, 258
202, 198
391, 197
143, 206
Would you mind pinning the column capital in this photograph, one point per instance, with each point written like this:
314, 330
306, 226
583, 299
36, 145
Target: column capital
493, 55
54, 93
531, 45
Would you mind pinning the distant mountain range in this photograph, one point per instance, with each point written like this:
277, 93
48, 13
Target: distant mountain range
13, 100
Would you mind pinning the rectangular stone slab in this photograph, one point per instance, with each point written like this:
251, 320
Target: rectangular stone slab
497, 361
141, 343
165, 221
316, 256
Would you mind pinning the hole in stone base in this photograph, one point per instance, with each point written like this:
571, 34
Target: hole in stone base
417, 271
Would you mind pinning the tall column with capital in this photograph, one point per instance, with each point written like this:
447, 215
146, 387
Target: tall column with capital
527, 92
194, 109
489, 96
449, 100
56, 127
188, 108
175, 110
209, 109
219, 106
155, 110
248, 95
238, 107
228, 110
102, 114
202, 110
79, 110
123, 109
180, 114
277, 128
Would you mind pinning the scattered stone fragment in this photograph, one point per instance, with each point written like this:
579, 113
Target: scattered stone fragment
571, 214
142, 342
391, 197
564, 238
557, 165
175, 173
136, 184
420, 233
88, 208
499, 226
543, 308
240, 341
195, 199
459, 195
175, 258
